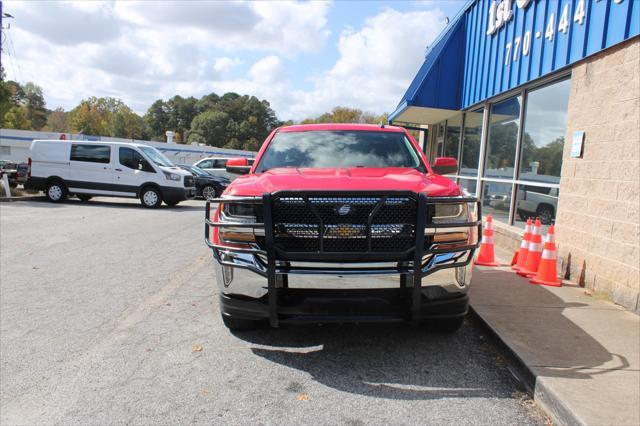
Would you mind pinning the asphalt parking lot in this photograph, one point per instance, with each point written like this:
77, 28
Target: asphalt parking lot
109, 315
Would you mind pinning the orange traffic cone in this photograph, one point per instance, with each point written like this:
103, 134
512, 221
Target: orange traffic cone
524, 248
535, 252
547, 271
486, 256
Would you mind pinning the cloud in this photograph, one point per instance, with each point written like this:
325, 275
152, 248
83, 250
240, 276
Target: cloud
141, 52
225, 64
67, 23
377, 62
267, 70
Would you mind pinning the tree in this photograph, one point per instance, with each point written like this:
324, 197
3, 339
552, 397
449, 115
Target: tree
210, 126
156, 120
58, 121
89, 118
16, 118
34, 101
125, 123
5, 96
341, 114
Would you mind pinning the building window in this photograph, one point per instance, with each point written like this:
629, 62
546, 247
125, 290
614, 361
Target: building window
545, 123
471, 143
452, 138
496, 199
469, 185
503, 138
536, 201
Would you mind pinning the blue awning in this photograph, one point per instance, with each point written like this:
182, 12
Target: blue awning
436, 91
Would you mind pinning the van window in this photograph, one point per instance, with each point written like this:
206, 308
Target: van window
91, 153
132, 159
220, 163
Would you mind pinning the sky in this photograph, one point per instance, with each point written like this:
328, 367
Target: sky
303, 57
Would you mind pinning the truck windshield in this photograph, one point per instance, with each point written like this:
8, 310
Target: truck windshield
156, 156
339, 149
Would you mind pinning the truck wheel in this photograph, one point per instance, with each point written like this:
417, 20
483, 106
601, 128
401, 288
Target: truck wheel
208, 192
84, 197
447, 325
237, 324
150, 197
56, 191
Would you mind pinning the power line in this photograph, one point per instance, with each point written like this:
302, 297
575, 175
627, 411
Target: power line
15, 57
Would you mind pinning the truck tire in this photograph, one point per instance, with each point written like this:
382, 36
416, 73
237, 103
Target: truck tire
545, 213
150, 197
447, 325
237, 324
56, 191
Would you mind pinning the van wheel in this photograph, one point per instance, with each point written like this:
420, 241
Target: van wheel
237, 324
56, 191
83, 197
150, 197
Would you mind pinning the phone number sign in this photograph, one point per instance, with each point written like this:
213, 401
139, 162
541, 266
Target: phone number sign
510, 42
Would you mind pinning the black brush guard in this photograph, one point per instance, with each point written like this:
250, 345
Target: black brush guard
418, 260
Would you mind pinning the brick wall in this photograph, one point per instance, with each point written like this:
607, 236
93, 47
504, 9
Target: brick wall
598, 213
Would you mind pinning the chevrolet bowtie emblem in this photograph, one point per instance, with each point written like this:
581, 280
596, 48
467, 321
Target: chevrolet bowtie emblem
344, 210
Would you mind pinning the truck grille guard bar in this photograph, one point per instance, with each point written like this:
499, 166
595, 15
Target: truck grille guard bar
423, 258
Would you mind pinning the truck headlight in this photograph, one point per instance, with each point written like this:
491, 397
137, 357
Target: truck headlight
237, 213
171, 176
453, 214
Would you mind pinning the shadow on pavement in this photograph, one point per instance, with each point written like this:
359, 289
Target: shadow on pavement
533, 321
397, 361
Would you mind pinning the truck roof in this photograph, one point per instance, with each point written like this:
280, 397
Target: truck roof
340, 126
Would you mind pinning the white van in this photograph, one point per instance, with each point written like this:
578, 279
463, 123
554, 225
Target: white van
114, 169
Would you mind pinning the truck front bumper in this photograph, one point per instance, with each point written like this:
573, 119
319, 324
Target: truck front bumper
269, 282
339, 298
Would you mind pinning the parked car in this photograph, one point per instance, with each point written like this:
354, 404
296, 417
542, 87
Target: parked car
10, 169
115, 169
207, 186
533, 201
216, 166
22, 173
342, 200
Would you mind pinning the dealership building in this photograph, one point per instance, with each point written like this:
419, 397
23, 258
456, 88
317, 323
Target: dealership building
539, 102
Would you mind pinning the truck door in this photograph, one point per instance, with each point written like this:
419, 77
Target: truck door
90, 168
132, 170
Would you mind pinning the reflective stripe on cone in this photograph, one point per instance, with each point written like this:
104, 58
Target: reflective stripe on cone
486, 255
535, 252
546, 274
524, 248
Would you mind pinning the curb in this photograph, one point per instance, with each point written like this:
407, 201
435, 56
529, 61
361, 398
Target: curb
25, 198
546, 398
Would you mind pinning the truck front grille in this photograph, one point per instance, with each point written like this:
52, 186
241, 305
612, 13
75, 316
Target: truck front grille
308, 223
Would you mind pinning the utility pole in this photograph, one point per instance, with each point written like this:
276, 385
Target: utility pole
2, 28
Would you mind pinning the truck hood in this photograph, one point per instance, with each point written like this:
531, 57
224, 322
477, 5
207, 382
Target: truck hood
342, 179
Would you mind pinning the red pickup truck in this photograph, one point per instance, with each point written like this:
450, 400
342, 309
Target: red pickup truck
325, 203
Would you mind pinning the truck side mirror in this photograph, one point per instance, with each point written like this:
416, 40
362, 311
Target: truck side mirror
238, 166
445, 165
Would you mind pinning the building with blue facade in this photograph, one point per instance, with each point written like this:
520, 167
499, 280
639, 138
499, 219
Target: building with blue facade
538, 100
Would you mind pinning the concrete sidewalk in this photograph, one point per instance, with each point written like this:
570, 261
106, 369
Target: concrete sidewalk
579, 355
